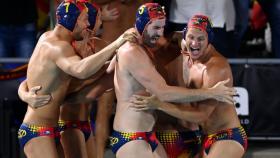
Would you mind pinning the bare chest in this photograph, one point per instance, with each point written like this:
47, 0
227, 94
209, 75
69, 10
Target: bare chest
194, 75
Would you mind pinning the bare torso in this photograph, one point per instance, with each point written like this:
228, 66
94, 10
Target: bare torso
178, 73
42, 70
223, 116
126, 118
173, 74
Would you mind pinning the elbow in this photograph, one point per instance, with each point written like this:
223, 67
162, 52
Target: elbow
78, 73
20, 96
82, 76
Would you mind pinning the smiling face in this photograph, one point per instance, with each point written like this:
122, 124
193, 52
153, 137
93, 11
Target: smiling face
153, 32
196, 43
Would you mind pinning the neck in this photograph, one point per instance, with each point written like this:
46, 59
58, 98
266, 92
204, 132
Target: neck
63, 33
149, 51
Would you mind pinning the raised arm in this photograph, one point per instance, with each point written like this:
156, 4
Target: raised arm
88, 66
142, 69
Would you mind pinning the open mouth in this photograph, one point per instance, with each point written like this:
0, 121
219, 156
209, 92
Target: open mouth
155, 38
194, 49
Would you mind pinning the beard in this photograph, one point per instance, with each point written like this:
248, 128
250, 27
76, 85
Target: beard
150, 41
78, 37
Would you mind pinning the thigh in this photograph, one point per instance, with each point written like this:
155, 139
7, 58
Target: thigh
73, 143
160, 152
91, 146
60, 151
226, 148
135, 149
43, 147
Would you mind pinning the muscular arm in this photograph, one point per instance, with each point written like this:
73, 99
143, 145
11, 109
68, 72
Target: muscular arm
141, 68
203, 109
86, 67
183, 112
218, 70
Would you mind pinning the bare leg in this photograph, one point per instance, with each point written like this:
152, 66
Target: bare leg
43, 147
104, 112
225, 148
160, 152
73, 140
105, 106
73, 143
60, 151
135, 149
91, 146
96, 144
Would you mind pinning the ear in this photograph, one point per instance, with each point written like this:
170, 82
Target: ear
183, 44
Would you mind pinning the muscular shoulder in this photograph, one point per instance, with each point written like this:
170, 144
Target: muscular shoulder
61, 48
217, 69
130, 52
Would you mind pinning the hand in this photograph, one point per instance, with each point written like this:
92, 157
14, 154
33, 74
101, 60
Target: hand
142, 103
223, 93
109, 15
85, 47
35, 101
129, 35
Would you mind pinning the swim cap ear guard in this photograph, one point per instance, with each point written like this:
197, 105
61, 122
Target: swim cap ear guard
201, 22
92, 14
146, 13
67, 14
